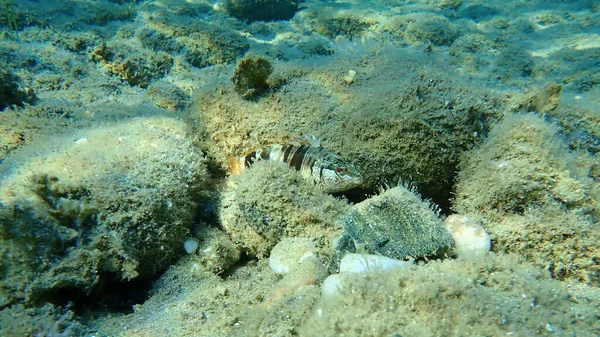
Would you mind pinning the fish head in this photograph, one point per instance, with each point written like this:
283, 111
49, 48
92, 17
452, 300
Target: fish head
339, 176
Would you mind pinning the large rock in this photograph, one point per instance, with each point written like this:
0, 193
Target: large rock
397, 224
261, 10
535, 197
269, 201
108, 203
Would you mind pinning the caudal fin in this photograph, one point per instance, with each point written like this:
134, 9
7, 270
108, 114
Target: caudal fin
236, 165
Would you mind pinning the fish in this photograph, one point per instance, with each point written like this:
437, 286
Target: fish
314, 162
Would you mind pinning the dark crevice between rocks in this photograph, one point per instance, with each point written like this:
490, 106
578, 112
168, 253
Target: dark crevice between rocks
245, 260
442, 199
111, 295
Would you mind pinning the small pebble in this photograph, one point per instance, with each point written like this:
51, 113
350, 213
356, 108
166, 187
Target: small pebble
469, 236
361, 263
353, 264
289, 253
332, 285
349, 78
190, 246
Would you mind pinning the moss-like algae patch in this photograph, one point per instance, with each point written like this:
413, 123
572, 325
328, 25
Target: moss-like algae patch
270, 201
488, 297
397, 224
537, 198
113, 204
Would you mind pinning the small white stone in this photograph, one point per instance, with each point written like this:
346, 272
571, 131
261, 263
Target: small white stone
349, 78
190, 246
469, 236
359, 263
81, 141
288, 253
332, 285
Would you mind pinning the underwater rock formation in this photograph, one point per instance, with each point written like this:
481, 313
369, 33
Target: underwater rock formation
112, 203
250, 76
261, 10
216, 253
12, 92
397, 224
199, 43
483, 297
535, 197
269, 201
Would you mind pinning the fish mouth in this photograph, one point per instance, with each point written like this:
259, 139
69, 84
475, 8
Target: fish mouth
346, 185
356, 181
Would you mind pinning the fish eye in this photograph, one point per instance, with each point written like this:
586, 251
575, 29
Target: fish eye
339, 169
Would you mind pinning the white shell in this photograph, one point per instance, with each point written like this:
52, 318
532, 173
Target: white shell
190, 246
289, 253
359, 263
469, 236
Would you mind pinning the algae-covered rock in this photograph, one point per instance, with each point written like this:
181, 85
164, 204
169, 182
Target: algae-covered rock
262, 10
136, 67
167, 96
199, 43
47, 320
422, 121
333, 23
112, 203
417, 28
289, 253
513, 63
535, 197
216, 253
397, 224
12, 92
432, 28
250, 76
494, 296
270, 201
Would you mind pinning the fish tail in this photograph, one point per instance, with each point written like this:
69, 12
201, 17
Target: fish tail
236, 165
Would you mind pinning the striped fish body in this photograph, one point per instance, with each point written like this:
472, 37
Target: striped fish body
315, 163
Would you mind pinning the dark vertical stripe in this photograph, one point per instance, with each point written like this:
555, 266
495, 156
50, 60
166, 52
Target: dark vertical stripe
250, 158
286, 152
310, 161
266, 153
297, 157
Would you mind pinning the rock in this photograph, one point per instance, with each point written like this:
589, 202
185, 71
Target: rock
190, 246
534, 197
430, 28
333, 285
269, 202
353, 264
312, 270
250, 76
217, 253
397, 224
104, 204
289, 253
12, 92
468, 235
349, 78
361, 263
260, 10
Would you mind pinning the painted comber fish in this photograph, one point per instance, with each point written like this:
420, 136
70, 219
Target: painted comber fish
314, 162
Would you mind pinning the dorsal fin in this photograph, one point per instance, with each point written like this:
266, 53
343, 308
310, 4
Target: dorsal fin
308, 141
